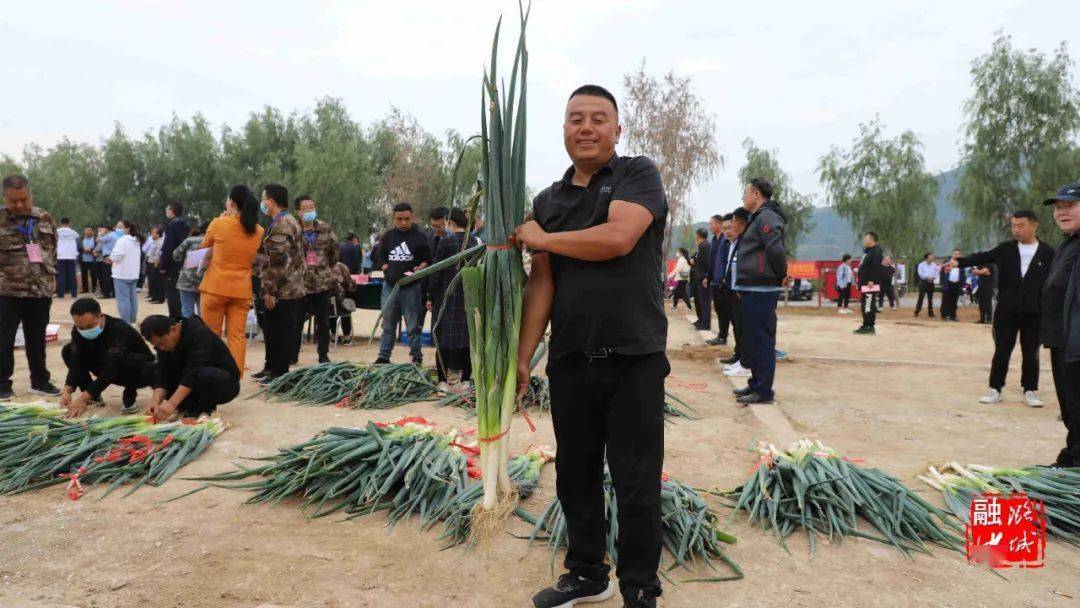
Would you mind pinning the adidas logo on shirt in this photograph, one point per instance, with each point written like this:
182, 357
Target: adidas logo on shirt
400, 253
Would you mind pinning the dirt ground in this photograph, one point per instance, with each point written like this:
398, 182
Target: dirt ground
900, 400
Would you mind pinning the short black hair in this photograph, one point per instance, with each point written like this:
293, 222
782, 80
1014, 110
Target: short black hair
718, 218
763, 186
15, 182
64, 221
703, 233
177, 208
457, 215
726, 217
1025, 214
741, 214
927, 255
439, 213
595, 90
871, 234
847, 256
277, 193
156, 326
400, 207
83, 306
301, 199
351, 237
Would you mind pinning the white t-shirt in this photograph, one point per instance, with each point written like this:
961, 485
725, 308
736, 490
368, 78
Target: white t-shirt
1027, 253
67, 244
125, 258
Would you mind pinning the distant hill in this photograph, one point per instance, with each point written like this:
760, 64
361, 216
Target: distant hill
832, 237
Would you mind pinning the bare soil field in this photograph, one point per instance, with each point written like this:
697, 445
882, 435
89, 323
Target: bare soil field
899, 400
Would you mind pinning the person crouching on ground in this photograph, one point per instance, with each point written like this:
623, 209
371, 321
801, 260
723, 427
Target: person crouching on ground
103, 351
194, 372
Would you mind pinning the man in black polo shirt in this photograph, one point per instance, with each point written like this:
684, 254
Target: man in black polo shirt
597, 276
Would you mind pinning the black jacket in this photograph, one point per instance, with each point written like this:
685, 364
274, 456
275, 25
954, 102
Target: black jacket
402, 252
1055, 292
198, 348
870, 268
1015, 293
702, 263
102, 354
352, 256
175, 232
762, 255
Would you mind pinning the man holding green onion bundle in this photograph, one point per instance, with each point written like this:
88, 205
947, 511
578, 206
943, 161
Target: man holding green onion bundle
596, 275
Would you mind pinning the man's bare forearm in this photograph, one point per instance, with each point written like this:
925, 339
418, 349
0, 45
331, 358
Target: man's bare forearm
595, 244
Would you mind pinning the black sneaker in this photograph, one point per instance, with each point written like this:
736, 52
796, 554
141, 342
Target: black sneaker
46, 388
382, 361
266, 380
418, 362
716, 342
572, 590
754, 397
742, 392
324, 359
865, 331
6, 394
130, 408
730, 360
259, 375
644, 599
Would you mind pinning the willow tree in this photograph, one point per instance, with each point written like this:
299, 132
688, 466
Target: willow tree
881, 185
1022, 121
798, 207
664, 120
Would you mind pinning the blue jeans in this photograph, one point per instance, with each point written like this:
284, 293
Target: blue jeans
126, 300
189, 303
758, 340
406, 302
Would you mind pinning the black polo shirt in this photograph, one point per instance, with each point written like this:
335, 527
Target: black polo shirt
617, 304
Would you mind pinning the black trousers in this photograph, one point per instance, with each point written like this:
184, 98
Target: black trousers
721, 299
887, 291
155, 281
317, 305
65, 278
1006, 326
986, 304
105, 280
282, 334
612, 405
701, 304
736, 325
132, 374
172, 295
346, 318
950, 300
1067, 386
869, 302
89, 273
843, 297
456, 359
926, 288
681, 292
213, 387
33, 313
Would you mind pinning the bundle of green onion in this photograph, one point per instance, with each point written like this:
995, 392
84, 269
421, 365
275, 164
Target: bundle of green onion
349, 385
537, 396
38, 449
1058, 488
811, 487
690, 529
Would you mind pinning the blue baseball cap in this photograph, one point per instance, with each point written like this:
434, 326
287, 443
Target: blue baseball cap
1068, 193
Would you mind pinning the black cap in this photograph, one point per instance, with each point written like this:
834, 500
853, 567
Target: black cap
1067, 193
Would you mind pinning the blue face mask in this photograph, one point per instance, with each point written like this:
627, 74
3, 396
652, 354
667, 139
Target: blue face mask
91, 334
309, 216
262, 207
119, 233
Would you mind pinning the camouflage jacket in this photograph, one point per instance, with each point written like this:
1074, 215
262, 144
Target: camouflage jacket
282, 260
319, 270
19, 278
344, 285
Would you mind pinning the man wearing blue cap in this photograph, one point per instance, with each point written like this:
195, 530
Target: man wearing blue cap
1061, 318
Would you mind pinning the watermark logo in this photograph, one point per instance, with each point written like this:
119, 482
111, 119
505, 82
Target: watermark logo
1006, 532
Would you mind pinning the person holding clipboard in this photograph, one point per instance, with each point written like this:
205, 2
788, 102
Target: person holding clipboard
870, 273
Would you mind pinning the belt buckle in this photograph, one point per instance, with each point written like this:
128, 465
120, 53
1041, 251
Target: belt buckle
602, 353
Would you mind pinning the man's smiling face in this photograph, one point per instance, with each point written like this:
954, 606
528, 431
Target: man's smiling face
591, 129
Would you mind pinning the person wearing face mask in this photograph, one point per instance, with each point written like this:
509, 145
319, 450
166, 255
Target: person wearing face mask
194, 372
27, 282
226, 288
281, 264
125, 260
320, 248
103, 351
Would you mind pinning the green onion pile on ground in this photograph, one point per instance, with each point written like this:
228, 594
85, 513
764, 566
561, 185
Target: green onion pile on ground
347, 384
405, 468
1058, 488
690, 529
38, 449
810, 487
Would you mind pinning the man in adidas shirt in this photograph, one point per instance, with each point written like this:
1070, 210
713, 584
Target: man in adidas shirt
1023, 265
402, 250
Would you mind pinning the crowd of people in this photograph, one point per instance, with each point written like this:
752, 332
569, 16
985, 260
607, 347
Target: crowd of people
595, 237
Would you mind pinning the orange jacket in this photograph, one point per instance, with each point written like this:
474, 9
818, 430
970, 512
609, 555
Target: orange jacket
229, 273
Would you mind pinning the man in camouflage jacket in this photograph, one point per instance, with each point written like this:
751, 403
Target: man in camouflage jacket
27, 282
281, 261
321, 254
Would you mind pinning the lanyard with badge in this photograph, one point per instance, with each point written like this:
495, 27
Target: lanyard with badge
312, 258
33, 250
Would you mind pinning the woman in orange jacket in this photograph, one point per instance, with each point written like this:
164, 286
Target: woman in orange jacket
226, 289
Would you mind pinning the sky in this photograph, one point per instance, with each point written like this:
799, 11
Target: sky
796, 77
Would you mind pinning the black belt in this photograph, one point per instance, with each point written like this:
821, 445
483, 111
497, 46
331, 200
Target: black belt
600, 353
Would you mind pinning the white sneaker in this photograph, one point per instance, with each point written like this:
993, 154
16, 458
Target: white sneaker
994, 396
444, 387
1032, 400
737, 371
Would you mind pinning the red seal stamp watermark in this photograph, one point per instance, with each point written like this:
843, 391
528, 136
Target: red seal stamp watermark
1006, 532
